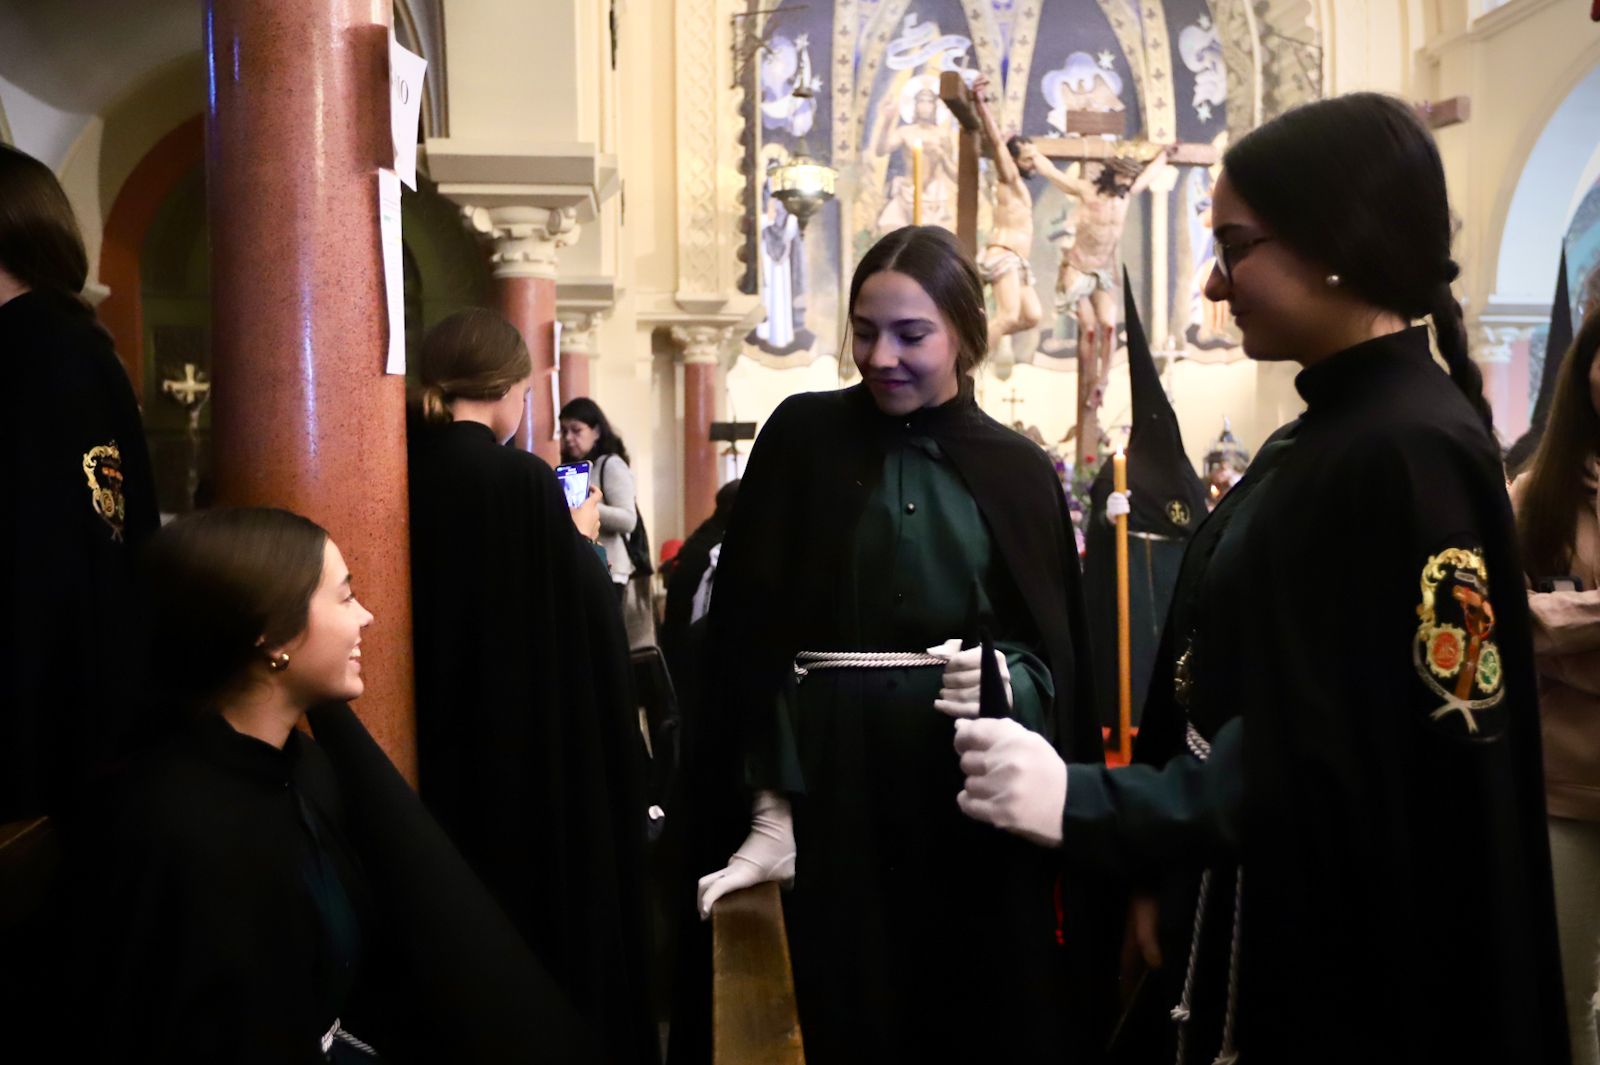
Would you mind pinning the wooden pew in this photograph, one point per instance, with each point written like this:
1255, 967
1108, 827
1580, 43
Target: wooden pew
29, 859
753, 1014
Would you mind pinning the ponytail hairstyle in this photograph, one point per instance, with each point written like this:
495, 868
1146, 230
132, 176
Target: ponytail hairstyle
930, 256
1355, 184
473, 354
1547, 514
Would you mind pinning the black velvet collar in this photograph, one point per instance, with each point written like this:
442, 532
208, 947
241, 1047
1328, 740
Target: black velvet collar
1356, 370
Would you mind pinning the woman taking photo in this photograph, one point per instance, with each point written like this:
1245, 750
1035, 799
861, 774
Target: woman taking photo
586, 436
1558, 519
879, 531
528, 742
1376, 877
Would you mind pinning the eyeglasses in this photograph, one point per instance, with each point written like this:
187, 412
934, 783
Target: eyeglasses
1229, 254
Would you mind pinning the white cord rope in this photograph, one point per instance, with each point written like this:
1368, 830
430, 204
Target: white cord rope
1227, 1055
338, 1034
807, 662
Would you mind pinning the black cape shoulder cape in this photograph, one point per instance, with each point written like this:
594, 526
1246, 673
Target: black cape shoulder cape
1397, 885
69, 631
528, 742
811, 472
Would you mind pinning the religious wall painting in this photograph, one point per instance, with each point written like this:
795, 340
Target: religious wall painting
1194, 323
1583, 253
1078, 64
795, 268
1199, 72
908, 136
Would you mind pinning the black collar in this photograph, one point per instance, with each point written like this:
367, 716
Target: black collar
929, 421
1358, 370
246, 756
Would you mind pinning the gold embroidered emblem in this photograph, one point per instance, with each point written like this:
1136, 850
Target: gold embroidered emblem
1452, 642
102, 468
1178, 512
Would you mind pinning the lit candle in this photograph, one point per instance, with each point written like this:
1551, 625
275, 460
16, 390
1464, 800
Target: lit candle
1119, 479
916, 184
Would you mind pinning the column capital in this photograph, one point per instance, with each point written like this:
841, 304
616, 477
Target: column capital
527, 240
578, 332
1494, 339
702, 345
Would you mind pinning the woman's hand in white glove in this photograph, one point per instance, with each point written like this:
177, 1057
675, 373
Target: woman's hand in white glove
767, 853
1015, 779
1116, 506
963, 673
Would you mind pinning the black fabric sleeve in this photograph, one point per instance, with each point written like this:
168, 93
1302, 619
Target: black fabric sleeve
1137, 819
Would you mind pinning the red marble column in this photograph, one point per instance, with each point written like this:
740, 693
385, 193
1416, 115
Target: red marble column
529, 303
303, 415
574, 375
700, 347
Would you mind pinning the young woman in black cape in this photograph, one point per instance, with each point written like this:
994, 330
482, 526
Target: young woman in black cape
528, 742
242, 893
895, 517
1366, 877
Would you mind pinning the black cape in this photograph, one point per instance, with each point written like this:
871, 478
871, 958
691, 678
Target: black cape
1397, 899
1555, 349
230, 900
1167, 500
811, 472
79, 500
528, 742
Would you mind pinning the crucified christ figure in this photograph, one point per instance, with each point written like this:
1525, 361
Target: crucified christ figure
1088, 280
1003, 263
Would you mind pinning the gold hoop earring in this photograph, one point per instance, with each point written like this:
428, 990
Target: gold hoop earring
278, 662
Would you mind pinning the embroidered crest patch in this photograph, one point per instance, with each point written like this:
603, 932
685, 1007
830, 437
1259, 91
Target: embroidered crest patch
102, 468
1452, 650
1178, 512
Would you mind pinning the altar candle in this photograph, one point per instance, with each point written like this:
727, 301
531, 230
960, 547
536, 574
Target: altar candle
916, 184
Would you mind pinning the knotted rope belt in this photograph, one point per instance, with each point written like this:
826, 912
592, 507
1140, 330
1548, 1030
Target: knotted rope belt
337, 1034
808, 662
1227, 1055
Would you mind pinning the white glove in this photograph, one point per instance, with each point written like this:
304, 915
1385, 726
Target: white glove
1015, 779
766, 854
963, 674
1116, 506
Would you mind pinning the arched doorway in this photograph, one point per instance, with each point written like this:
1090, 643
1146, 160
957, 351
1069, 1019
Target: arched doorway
157, 259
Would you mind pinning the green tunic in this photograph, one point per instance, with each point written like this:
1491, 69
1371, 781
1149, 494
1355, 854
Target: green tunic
900, 902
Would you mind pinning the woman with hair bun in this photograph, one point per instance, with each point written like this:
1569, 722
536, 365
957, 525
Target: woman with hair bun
528, 743
1366, 877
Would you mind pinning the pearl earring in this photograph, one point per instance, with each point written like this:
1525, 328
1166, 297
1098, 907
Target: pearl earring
1333, 280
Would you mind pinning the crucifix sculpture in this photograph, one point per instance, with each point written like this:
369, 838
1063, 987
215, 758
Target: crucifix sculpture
1114, 171
190, 392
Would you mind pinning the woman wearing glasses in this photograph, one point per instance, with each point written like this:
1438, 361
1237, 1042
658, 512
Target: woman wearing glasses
1367, 878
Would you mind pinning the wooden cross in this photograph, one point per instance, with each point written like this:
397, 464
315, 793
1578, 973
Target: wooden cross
1090, 128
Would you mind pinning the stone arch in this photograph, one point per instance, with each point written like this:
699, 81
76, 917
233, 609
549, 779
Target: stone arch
162, 169
1535, 205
